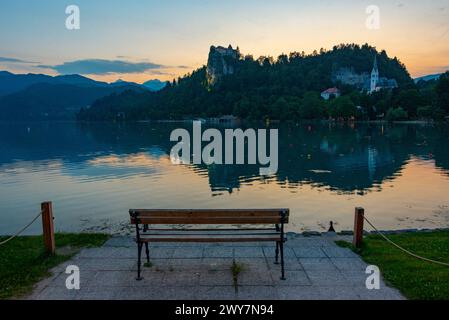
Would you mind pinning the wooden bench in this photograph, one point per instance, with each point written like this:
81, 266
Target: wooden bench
254, 228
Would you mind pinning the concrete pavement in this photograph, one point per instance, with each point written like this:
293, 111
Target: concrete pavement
316, 268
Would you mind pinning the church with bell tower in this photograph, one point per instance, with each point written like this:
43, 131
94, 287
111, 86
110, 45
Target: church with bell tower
374, 77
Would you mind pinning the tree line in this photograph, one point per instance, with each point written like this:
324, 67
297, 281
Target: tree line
285, 88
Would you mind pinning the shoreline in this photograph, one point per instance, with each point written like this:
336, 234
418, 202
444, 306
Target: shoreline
101, 230
130, 231
416, 122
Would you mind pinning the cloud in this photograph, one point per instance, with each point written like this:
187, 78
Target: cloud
14, 60
102, 67
157, 72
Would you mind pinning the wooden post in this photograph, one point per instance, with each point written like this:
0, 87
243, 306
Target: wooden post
358, 227
48, 228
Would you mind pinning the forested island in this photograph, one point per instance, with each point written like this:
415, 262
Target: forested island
348, 82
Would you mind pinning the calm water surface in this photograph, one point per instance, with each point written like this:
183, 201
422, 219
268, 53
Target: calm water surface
95, 172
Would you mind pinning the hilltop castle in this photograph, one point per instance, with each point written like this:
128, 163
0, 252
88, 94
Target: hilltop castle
364, 81
222, 61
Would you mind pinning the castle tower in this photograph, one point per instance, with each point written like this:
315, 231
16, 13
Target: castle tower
374, 76
222, 61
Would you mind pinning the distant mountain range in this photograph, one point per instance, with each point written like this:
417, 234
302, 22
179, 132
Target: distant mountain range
429, 77
12, 83
152, 85
38, 96
155, 85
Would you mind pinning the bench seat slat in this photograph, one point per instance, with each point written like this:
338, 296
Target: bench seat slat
209, 229
208, 220
210, 233
208, 212
209, 238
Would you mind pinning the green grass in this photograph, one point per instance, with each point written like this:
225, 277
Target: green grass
416, 279
23, 261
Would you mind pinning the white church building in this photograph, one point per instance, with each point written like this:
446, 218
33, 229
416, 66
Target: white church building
365, 81
378, 83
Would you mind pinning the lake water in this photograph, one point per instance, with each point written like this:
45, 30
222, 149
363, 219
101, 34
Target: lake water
94, 173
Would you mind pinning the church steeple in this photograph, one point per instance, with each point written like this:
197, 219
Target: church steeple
374, 76
375, 68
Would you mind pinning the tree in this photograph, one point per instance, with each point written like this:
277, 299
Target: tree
430, 112
279, 109
311, 106
410, 100
342, 107
396, 114
442, 92
242, 108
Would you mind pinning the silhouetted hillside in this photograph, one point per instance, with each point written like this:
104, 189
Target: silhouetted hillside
46, 101
285, 88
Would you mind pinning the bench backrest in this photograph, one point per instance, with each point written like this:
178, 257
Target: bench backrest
209, 216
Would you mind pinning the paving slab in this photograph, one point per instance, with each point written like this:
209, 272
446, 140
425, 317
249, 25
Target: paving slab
181, 279
270, 252
215, 264
249, 252
219, 278
188, 252
317, 264
337, 252
293, 278
327, 279
257, 293
258, 264
219, 252
309, 252
251, 277
299, 293
227, 292
291, 264
349, 264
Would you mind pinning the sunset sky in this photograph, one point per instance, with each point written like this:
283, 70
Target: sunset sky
140, 40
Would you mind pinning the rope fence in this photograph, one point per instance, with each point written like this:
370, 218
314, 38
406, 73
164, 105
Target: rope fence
18, 233
402, 248
360, 218
47, 227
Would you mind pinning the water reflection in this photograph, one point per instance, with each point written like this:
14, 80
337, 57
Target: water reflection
341, 159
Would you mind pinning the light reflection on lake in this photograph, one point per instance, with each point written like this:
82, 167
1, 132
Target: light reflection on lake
95, 172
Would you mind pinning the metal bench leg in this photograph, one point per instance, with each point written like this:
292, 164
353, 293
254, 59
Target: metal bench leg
139, 256
277, 253
147, 251
282, 260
